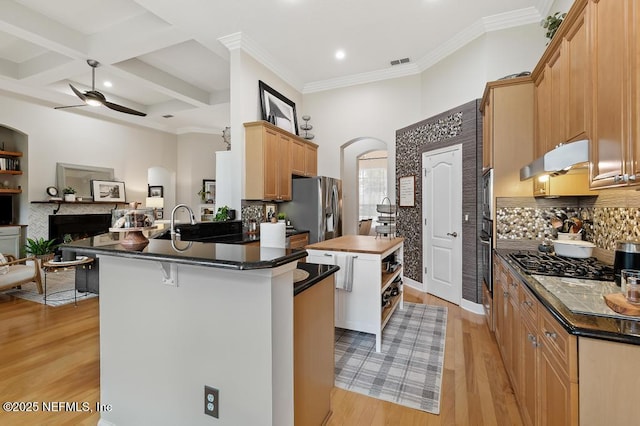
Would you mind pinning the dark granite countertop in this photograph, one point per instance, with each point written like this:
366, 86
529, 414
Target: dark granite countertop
593, 326
229, 255
316, 274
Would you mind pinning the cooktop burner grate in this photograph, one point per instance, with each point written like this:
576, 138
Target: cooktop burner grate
547, 264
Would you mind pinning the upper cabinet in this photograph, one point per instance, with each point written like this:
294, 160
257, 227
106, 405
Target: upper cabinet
615, 96
561, 110
507, 109
272, 157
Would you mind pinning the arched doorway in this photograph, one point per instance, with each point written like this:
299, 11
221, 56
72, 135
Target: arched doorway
351, 151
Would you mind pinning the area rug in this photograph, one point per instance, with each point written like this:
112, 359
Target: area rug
408, 370
60, 289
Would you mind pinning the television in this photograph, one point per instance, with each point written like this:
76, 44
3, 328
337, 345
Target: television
6, 209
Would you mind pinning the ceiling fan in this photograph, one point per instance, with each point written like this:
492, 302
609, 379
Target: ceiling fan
95, 98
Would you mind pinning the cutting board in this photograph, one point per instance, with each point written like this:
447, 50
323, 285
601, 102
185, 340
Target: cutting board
618, 302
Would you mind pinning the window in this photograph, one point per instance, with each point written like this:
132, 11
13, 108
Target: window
372, 184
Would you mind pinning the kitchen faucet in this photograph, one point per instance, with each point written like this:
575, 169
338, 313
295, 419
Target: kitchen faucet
173, 217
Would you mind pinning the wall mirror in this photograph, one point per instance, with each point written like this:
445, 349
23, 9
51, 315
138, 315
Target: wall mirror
79, 177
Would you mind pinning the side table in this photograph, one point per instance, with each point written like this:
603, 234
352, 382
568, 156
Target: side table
51, 265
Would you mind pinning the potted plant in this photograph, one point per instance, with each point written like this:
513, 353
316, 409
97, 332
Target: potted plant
69, 194
40, 248
551, 24
222, 214
281, 217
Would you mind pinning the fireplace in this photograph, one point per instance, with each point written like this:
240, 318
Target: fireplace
78, 226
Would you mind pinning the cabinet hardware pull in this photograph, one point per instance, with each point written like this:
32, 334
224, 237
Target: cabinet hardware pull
551, 335
528, 303
505, 293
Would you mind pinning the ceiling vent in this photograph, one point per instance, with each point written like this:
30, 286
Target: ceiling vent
400, 61
167, 116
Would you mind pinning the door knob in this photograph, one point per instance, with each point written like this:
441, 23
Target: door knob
452, 234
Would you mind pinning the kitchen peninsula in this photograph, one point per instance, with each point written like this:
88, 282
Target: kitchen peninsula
218, 315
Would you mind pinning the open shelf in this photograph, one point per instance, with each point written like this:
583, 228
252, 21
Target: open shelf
10, 172
386, 312
10, 154
388, 277
10, 191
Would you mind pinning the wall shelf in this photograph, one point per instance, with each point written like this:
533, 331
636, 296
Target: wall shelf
61, 202
10, 191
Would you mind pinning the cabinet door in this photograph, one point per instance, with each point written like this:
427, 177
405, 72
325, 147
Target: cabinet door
542, 116
527, 349
311, 160
298, 154
284, 168
558, 396
487, 133
556, 101
576, 60
271, 145
610, 91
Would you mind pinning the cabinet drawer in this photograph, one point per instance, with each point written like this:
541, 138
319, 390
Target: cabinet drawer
559, 344
528, 304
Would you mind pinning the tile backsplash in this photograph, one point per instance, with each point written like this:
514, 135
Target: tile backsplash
612, 216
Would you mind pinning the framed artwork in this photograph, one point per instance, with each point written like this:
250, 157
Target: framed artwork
107, 190
209, 186
277, 109
156, 191
407, 191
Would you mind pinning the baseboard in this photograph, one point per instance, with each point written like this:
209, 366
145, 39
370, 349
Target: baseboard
476, 308
416, 285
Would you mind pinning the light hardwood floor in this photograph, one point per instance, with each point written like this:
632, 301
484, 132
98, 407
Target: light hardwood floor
52, 354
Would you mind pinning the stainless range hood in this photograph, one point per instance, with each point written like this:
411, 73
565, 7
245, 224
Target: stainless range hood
558, 160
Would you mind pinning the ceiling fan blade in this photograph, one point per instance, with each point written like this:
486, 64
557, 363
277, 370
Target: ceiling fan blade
124, 109
69, 106
78, 93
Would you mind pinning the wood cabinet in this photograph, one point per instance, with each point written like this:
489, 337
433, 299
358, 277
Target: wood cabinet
507, 108
304, 158
272, 157
313, 353
573, 183
298, 241
615, 92
540, 355
361, 308
268, 162
561, 88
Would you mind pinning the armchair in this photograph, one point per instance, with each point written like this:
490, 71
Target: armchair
20, 272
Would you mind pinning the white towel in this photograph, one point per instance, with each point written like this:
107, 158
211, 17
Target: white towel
344, 277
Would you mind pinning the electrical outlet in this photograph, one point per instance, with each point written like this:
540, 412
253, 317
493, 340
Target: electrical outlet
211, 401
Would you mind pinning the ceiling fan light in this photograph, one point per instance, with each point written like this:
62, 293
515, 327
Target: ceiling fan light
93, 102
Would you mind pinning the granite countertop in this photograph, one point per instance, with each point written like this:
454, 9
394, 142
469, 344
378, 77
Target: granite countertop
580, 324
229, 255
316, 274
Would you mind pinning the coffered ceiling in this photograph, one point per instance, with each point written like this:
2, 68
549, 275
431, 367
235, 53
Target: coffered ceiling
168, 57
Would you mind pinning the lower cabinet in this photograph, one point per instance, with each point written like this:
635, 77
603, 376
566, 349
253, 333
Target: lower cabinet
313, 353
539, 354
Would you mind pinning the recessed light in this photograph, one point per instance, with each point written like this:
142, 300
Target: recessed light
107, 83
340, 54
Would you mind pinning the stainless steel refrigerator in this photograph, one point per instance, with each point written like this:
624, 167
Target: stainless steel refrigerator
316, 206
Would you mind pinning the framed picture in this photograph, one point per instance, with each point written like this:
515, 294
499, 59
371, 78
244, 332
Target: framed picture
407, 191
277, 109
209, 186
107, 190
156, 191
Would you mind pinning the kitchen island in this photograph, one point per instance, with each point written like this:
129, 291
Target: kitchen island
560, 361
177, 316
369, 285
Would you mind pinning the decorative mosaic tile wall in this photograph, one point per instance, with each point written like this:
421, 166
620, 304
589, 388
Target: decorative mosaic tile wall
603, 226
460, 125
252, 210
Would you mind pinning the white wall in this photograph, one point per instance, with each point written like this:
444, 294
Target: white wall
462, 76
196, 160
69, 137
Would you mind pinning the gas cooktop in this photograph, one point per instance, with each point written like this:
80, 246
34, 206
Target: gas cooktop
559, 266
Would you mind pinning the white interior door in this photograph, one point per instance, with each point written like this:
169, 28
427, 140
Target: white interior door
442, 222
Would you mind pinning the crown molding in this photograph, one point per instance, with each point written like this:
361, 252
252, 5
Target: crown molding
480, 27
204, 130
246, 44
